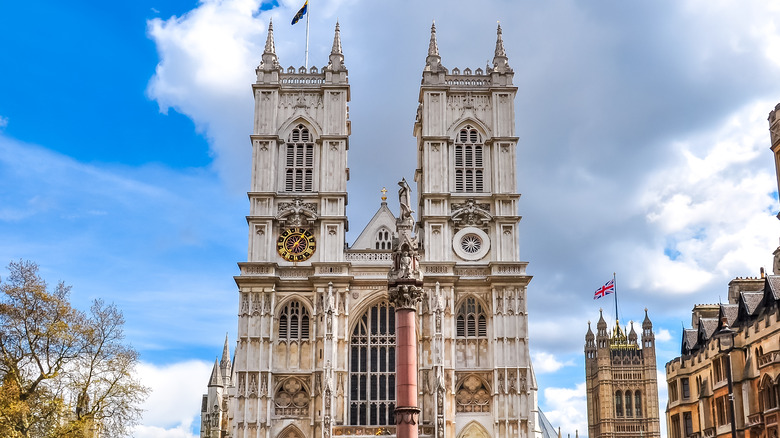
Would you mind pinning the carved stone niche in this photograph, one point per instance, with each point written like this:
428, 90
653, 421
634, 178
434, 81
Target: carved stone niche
291, 397
296, 213
470, 214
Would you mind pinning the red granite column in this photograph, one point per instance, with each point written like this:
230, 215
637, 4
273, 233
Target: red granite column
406, 410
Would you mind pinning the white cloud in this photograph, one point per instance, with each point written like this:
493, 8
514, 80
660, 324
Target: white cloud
3, 122
663, 335
567, 408
174, 403
547, 363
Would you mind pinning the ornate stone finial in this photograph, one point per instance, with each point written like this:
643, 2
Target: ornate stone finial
500, 60
269, 53
433, 61
384, 195
336, 61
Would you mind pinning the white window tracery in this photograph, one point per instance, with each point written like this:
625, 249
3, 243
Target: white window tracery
471, 321
299, 164
469, 163
472, 396
294, 322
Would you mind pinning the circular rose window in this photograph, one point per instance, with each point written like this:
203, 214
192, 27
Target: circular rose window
471, 243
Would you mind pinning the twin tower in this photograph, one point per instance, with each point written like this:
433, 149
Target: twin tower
420, 325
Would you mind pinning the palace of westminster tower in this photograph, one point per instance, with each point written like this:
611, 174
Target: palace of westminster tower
316, 350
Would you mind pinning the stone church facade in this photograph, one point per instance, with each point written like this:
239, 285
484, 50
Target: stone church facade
315, 354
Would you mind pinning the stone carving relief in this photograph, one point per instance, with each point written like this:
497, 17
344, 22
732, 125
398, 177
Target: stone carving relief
470, 213
291, 398
296, 213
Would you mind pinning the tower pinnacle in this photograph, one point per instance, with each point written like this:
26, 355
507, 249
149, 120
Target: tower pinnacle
500, 60
433, 61
269, 53
336, 61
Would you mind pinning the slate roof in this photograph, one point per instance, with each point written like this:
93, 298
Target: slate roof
751, 300
730, 311
774, 285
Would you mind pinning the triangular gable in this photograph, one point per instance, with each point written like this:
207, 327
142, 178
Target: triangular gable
383, 219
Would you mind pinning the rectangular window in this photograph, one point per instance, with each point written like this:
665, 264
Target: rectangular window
674, 431
688, 422
673, 395
722, 410
686, 390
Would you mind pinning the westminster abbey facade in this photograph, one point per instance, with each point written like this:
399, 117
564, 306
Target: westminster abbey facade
316, 347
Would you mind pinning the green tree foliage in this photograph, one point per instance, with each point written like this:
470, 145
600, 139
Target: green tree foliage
64, 373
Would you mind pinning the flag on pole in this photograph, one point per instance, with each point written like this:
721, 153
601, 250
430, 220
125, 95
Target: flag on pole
301, 12
607, 289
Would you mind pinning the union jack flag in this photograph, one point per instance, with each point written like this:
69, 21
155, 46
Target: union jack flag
607, 289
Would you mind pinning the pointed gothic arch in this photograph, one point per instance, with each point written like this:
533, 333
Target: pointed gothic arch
474, 429
291, 431
459, 124
287, 127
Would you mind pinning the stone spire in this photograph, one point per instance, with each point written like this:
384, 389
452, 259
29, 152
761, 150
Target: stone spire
224, 364
216, 375
336, 61
269, 53
433, 61
500, 61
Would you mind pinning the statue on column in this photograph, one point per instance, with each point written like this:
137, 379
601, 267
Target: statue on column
405, 277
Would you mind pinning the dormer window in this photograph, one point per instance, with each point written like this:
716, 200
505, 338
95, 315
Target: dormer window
299, 165
469, 166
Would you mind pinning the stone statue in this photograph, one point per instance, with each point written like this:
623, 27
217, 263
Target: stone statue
406, 265
405, 200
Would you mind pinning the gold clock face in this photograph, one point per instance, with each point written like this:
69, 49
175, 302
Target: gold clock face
296, 244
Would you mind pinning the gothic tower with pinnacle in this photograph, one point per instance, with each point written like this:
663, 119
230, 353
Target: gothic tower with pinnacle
621, 382
419, 327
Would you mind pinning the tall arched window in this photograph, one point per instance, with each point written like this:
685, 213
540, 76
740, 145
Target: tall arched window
294, 322
299, 164
471, 321
618, 404
638, 403
383, 239
629, 411
372, 367
469, 166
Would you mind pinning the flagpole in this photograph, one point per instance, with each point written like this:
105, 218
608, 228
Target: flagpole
308, 13
614, 281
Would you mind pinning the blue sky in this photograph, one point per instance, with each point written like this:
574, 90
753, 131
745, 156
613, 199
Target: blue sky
644, 151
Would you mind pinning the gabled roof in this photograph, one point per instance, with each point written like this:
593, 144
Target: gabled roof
707, 327
773, 284
730, 311
383, 218
751, 300
689, 340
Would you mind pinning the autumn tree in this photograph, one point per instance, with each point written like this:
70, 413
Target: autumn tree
64, 372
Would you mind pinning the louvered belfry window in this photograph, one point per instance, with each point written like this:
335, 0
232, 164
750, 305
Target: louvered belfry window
469, 164
471, 321
294, 322
372, 368
299, 165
